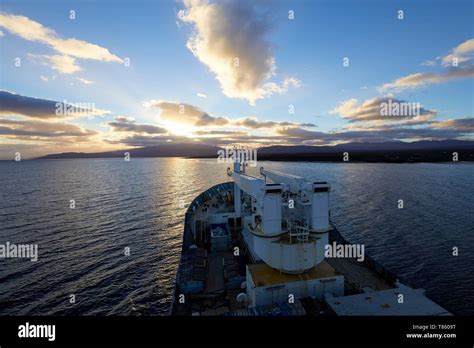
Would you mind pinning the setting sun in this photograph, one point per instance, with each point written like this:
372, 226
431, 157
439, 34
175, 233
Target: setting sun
178, 128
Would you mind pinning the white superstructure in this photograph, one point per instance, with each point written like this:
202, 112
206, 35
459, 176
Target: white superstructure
288, 223
285, 225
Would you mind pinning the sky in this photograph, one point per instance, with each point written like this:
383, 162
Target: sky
94, 76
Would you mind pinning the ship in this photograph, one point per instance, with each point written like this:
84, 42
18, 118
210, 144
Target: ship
258, 246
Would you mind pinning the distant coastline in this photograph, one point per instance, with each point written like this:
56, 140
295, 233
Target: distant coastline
386, 152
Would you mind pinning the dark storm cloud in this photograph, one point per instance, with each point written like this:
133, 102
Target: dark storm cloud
30, 130
123, 124
15, 104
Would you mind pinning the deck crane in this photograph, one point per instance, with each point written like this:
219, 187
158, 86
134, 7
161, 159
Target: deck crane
312, 198
289, 248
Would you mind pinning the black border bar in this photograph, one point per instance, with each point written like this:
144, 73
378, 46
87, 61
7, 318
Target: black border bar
238, 330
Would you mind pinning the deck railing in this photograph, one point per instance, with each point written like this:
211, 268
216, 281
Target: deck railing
299, 230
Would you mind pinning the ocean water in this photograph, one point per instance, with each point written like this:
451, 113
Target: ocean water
139, 205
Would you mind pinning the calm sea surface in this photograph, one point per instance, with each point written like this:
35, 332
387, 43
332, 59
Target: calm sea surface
136, 204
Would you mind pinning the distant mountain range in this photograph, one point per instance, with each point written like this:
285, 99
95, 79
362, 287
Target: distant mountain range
419, 151
163, 150
370, 147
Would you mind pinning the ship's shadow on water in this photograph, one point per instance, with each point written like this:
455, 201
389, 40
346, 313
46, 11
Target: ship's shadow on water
117, 251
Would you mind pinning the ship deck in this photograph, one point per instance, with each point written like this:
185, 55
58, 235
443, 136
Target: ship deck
357, 275
215, 273
264, 275
218, 298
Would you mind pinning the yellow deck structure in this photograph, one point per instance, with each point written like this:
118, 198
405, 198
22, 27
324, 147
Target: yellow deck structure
263, 275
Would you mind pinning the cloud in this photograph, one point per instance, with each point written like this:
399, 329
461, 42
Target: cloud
371, 110
149, 140
226, 138
254, 123
85, 81
300, 134
33, 127
201, 95
62, 64
40, 130
69, 49
44, 78
230, 38
458, 124
273, 87
462, 53
194, 116
429, 63
372, 126
185, 114
381, 133
440, 130
421, 79
289, 133
17, 105
220, 133
123, 124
